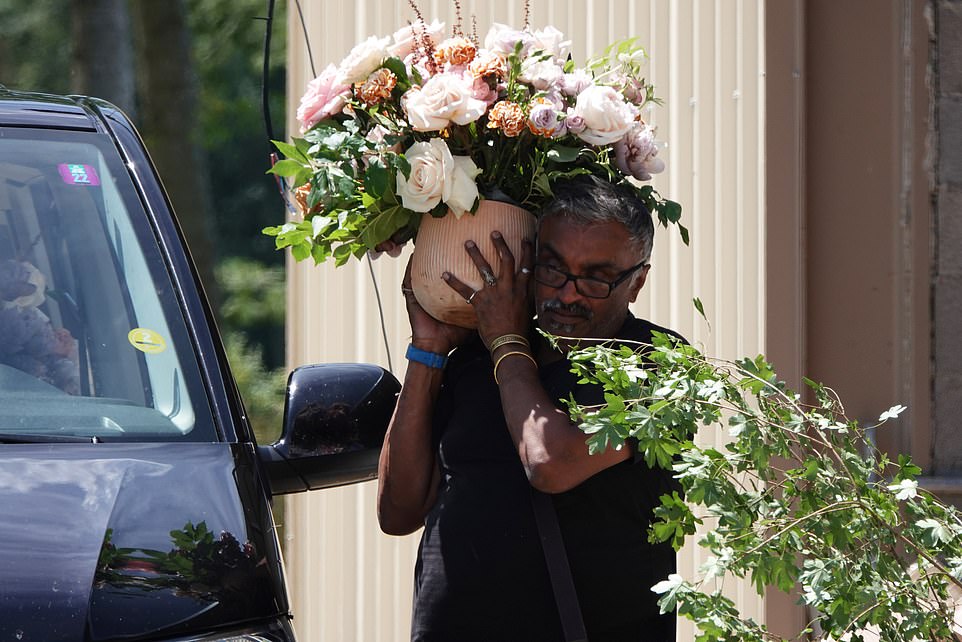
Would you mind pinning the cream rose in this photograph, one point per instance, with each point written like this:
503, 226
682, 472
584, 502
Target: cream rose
437, 176
541, 74
363, 59
404, 38
443, 99
461, 190
551, 40
606, 115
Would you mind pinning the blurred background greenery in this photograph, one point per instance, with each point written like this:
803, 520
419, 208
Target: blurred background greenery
189, 74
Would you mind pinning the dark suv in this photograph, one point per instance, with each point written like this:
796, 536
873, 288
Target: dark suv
134, 501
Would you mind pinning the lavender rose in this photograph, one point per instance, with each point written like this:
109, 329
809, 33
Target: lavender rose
545, 120
636, 153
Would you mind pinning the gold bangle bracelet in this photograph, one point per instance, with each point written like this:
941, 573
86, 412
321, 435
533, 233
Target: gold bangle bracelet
506, 339
505, 356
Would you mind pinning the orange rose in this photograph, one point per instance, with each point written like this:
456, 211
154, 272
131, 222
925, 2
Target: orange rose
455, 51
377, 87
508, 117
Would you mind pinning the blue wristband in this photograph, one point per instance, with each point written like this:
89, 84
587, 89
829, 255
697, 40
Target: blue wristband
430, 359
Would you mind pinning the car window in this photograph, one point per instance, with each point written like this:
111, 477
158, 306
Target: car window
93, 342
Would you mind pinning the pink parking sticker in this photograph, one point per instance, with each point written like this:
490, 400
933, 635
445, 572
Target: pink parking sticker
78, 174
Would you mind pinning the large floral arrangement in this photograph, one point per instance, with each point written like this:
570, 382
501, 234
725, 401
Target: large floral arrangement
419, 123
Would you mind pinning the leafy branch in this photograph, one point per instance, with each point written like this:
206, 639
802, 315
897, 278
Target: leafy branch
797, 496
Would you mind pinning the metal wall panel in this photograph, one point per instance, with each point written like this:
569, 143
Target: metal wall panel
349, 582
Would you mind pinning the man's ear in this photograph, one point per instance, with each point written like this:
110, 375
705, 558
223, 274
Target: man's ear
638, 282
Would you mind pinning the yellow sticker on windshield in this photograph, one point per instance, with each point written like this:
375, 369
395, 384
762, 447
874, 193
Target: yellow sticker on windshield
146, 340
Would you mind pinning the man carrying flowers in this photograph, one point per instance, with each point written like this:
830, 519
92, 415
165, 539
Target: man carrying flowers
479, 432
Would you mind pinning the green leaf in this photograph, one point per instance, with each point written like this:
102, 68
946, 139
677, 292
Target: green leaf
286, 168
291, 151
376, 178
700, 308
562, 154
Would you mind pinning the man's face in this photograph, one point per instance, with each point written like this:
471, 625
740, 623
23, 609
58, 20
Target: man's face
602, 251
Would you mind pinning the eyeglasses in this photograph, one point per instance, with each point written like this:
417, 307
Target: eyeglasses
585, 285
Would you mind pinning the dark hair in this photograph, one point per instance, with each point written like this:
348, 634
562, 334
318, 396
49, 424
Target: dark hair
588, 199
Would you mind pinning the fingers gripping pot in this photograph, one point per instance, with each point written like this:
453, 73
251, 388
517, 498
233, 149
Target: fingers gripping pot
439, 248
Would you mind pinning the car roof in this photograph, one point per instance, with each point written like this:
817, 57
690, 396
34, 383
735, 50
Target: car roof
28, 109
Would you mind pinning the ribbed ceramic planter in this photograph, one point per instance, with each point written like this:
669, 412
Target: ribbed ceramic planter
439, 248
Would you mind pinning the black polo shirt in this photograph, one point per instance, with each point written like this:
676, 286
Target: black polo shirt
480, 572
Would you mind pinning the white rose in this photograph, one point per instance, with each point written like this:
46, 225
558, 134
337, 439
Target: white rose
437, 176
404, 40
430, 162
541, 74
444, 98
461, 191
606, 115
552, 41
363, 59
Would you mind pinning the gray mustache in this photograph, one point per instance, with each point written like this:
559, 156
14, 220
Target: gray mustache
569, 308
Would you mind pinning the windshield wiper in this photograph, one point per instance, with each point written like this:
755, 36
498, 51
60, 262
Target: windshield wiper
13, 438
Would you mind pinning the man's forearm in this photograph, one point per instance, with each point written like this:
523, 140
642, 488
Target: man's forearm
407, 470
551, 448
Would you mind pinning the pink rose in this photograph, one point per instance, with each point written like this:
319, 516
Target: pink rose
636, 153
324, 98
444, 99
606, 115
483, 91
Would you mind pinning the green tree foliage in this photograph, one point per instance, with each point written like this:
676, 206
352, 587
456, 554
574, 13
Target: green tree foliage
35, 45
262, 389
228, 55
254, 304
797, 495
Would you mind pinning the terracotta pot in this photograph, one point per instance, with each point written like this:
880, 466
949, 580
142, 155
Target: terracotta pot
439, 248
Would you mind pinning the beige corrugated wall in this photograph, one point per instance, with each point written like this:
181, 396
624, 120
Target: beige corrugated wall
349, 582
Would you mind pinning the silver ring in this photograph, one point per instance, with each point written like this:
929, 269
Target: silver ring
525, 271
407, 291
468, 300
488, 277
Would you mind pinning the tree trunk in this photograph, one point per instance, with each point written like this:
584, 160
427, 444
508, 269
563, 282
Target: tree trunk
170, 123
103, 60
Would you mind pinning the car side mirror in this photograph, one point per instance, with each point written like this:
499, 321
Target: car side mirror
335, 417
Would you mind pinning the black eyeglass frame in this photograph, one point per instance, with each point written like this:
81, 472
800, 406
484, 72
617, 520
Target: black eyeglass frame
621, 278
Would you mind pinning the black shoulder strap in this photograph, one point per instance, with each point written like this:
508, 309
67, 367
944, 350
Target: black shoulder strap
557, 559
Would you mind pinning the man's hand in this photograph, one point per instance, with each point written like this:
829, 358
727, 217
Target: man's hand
503, 304
427, 333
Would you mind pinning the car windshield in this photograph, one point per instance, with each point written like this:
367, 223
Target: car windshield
93, 343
